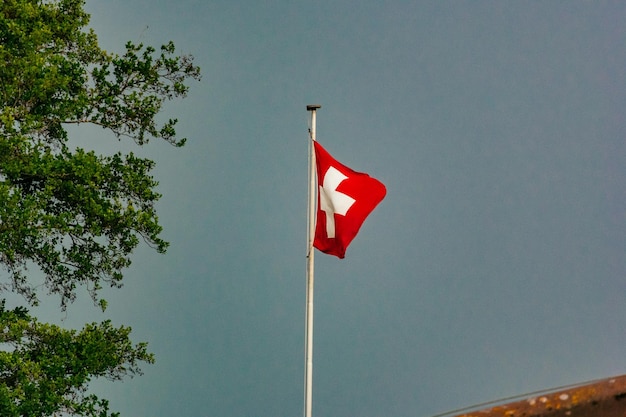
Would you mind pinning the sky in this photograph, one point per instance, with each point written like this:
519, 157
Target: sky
496, 264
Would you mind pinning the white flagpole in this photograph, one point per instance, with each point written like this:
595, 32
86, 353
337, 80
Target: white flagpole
308, 375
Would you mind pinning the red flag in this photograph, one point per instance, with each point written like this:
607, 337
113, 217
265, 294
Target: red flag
345, 198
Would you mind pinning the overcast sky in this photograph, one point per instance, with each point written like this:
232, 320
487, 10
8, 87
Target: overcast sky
496, 264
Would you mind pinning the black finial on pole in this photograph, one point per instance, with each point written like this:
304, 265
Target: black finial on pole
310, 107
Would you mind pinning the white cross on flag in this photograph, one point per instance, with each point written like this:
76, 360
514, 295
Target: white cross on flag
345, 199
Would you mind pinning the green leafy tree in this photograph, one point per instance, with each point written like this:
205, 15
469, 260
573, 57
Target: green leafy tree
47, 368
71, 214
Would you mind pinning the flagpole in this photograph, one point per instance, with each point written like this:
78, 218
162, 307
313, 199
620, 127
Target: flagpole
308, 375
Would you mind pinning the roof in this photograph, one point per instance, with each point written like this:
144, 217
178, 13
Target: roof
600, 398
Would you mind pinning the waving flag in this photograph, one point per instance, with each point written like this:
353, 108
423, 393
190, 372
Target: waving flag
345, 199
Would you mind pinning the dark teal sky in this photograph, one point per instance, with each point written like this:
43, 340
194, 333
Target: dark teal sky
496, 264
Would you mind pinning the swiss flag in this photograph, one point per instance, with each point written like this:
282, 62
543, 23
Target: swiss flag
345, 199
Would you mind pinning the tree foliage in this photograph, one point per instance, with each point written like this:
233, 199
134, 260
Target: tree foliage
72, 215
45, 369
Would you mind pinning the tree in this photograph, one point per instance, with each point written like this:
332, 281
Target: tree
73, 215
47, 369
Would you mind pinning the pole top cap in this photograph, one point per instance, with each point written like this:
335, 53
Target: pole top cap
310, 107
